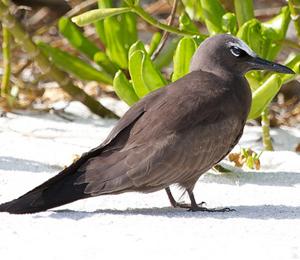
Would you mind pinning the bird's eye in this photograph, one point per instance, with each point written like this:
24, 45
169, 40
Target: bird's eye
237, 52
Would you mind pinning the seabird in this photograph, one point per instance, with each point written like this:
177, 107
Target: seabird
171, 136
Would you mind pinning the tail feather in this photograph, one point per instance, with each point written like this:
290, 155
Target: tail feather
63, 192
55, 192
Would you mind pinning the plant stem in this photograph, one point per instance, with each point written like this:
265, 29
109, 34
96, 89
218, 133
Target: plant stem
137, 9
291, 44
166, 33
265, 123
294, 6
24, 40
5, 84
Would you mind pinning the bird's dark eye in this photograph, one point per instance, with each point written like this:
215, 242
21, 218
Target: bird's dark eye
237, 52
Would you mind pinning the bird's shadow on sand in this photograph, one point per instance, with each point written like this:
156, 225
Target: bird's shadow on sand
263, 212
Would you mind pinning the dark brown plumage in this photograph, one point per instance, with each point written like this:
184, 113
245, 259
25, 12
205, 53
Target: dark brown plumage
171, 136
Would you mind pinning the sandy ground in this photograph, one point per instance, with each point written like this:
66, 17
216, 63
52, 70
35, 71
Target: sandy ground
265, 225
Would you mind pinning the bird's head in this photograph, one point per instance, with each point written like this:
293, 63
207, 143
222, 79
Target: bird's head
223, 53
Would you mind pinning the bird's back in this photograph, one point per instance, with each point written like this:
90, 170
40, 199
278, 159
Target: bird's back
182, 132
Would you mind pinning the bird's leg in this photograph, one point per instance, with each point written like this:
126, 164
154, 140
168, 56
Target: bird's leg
171, 198
195, 207
176, 204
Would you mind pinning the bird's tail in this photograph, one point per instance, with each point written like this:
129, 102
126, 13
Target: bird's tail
57, 191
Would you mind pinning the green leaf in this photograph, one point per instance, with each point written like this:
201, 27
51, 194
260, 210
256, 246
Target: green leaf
221, 169
245, 153
182, 57
198, 39
81, 43
99, 14
144, 74
156, 38
151, 75
137, 46
105, 4
73, 65
99, 24
244, 11
213, 12
253, 79
117, 33
115, 49
276, 28
257, 156
194, 9
104, 62
249, 162
128, 22
272, 51
76, 37
124, 89
185, 23
229, 23
263, 95
135, 69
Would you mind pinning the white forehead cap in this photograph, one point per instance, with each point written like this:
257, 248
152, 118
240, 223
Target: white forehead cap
242, 45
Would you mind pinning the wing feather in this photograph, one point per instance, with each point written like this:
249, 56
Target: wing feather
165, 138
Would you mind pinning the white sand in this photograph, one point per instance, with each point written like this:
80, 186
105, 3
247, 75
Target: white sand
265, 225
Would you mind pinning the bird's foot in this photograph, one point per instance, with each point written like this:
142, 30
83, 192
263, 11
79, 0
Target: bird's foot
199, 207
193, 206
194, 209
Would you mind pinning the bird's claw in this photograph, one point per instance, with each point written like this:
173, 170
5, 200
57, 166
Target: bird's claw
194, 209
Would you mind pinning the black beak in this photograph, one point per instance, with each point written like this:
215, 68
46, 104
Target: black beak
261, 64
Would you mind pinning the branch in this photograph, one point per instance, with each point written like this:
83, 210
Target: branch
137, 9
5, 84
166, 33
